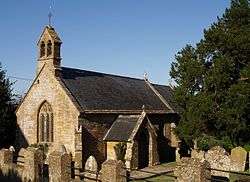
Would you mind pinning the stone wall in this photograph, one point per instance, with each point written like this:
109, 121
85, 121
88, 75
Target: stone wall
65, 114
94, 128
131, 157
111, 151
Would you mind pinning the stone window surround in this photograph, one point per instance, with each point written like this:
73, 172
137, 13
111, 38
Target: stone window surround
45, 123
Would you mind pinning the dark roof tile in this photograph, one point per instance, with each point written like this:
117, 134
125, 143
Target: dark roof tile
99, 91
122, 128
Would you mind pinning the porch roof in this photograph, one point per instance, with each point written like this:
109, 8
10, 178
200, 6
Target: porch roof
123, 128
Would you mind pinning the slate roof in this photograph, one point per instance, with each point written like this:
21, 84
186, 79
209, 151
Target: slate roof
168, 94
100, 91
122, 128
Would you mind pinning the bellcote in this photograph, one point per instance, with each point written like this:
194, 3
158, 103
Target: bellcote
49, 45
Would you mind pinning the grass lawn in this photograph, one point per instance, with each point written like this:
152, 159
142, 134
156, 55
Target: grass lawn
162, 172
157, 179
238, 177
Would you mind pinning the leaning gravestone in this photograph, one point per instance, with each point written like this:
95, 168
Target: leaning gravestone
90, 170
218, 159
238, 159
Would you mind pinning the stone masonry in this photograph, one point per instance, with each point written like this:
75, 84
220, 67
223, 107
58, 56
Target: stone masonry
48, 88
59, 167
218, 159
6, 156
238, 159
113, 171
192, 170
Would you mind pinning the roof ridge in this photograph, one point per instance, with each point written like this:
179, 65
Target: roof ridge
121, 76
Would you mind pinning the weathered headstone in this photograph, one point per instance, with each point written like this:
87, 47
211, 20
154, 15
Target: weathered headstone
238, 159
198, 154
219, 159
113, 171
192, 170
31, 162
6, 157
59, 167
177, 154
91, 169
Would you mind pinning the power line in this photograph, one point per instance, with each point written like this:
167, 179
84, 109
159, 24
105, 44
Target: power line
20, 78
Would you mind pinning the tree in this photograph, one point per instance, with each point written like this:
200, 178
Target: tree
213, 82
7, 111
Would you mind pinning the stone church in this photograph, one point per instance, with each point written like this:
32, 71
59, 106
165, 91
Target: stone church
89, 113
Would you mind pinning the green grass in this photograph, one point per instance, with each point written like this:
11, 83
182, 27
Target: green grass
164, 178
167, 177
238, 177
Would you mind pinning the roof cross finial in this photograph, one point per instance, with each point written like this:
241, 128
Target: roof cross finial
50, 16
145, 76
143, 107
50, 13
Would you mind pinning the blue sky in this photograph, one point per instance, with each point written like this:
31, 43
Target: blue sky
125, 37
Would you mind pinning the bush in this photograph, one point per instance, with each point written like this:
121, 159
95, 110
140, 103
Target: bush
120, 151
247, 147
206, 142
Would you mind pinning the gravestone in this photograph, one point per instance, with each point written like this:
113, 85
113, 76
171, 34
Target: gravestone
91, 169
219, 159
198, 154
30, 161
59, 166
6, 157
113, 171
192, 170
238, 159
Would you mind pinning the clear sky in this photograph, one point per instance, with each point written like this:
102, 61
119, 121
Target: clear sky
125, 37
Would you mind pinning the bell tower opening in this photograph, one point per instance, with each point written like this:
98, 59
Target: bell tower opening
42, 49
49, 46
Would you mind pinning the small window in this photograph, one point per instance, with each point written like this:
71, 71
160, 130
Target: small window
49, 48
42, 49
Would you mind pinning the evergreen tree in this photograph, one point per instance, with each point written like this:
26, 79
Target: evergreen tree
7, 112
213, 82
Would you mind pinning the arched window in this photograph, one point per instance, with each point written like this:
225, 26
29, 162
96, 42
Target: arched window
42, 49
45, 123
49, 48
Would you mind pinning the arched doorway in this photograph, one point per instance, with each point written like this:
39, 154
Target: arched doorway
143, 148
